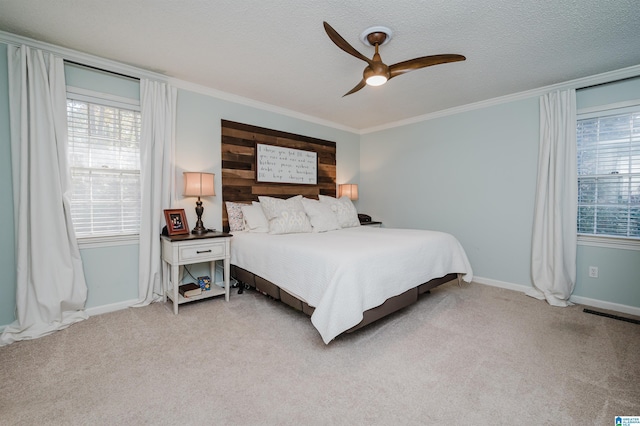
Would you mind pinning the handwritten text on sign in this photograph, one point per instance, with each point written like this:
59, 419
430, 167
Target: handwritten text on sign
286, 165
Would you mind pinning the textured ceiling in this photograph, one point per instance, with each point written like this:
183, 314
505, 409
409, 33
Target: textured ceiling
277, 52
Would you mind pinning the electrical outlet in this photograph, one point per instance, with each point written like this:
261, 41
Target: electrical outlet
593, 271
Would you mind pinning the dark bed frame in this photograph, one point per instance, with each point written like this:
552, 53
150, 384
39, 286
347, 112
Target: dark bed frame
249, 280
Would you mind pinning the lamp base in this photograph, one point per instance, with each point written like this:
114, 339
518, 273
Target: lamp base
199, 229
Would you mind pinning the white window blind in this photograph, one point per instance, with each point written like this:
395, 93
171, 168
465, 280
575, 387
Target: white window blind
104, 159
609, 174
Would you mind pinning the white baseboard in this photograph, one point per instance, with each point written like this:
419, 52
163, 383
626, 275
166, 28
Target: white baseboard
601, 304
98, 310
501, 284
104, 309
610, 306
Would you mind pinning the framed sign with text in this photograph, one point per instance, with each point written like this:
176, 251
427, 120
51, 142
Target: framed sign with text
286, 165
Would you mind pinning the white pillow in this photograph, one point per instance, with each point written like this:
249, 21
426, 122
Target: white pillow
344, 210
322, 217
254, 218
285, 216
234, 214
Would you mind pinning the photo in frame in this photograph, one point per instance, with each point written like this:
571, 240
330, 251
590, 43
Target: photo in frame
176, 222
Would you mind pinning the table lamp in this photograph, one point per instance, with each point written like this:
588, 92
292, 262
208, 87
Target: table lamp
348, 189
198, 184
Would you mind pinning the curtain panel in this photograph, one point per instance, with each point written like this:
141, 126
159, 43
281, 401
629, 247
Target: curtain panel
554, 240
157, 171
50, 290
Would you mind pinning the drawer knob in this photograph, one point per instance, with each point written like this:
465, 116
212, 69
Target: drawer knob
203, 251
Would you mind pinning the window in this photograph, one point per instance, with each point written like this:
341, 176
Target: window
609, 173
104, 159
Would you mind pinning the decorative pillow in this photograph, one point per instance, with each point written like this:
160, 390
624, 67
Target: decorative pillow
322, 217
285, 216
254, 218
234, 213
344, 210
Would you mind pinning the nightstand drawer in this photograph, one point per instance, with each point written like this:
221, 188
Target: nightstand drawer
202, 251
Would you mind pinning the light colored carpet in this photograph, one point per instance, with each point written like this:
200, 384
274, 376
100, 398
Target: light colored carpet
461, 355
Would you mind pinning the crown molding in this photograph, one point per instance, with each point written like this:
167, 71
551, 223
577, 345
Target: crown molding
580, 83
109, 65
136, 72
226, 96
80, 57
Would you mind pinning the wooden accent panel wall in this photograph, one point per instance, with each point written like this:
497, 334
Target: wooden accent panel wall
239, 165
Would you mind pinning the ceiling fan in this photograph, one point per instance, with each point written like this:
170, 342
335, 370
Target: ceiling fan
377, 72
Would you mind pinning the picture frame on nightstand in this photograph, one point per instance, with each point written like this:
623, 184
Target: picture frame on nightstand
176, 222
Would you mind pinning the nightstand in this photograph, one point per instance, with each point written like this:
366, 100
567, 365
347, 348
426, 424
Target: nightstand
180, 250
372, 224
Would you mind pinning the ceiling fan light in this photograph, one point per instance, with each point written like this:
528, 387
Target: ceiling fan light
376, 80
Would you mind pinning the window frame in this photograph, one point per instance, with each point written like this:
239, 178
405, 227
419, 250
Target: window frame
608, 241
107, 99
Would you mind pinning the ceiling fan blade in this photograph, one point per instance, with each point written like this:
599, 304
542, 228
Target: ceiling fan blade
343, 44
355, 89
422, 62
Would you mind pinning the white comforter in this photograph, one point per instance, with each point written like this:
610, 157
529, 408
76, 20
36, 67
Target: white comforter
345, 272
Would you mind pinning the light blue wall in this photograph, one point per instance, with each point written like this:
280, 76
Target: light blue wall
111, 274
605, 94
470, 174
473, 174
618, 272
103, 82
7, 257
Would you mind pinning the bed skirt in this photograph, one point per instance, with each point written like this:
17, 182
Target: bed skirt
391, 305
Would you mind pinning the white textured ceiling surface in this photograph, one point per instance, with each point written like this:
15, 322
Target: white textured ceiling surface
277, 52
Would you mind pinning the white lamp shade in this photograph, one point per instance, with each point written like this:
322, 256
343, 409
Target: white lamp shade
348, 189
198, 184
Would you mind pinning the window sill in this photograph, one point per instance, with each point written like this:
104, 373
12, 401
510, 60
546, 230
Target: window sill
609, 242
108, 241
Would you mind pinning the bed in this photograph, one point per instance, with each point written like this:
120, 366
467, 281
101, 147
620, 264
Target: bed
343, 275
348, 278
